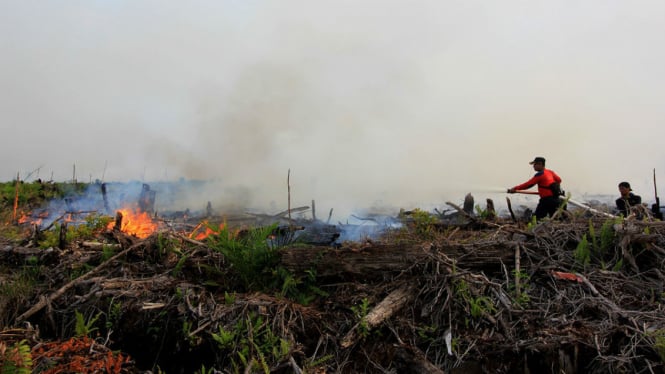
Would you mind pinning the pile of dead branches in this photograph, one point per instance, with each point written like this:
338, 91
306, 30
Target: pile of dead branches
583, 294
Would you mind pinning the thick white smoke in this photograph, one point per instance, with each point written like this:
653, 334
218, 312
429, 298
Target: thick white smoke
378, 103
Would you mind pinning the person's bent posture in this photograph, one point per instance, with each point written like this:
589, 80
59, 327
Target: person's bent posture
549, 188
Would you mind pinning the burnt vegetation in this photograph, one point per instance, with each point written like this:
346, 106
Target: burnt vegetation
462, 292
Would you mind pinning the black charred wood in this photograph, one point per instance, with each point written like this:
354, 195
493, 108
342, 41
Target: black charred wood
491, 212
62, 240
147, 199
105, 198
284, 234
468, 204
319, 234
118, 221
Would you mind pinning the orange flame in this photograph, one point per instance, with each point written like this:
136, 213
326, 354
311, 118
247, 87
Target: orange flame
205, 233
135, 223
33, 221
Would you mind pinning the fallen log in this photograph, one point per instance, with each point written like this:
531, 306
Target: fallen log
23, 255
378, 259
383, 311
99, 245
590, 209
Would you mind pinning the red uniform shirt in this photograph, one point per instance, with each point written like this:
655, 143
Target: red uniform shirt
543, 179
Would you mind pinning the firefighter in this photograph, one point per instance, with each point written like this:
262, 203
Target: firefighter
627, 199
549, 188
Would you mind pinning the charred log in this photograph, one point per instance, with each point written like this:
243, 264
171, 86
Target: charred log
318, 234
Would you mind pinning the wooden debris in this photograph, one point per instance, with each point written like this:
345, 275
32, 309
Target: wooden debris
501, 296
383, 311
99, 245
48, 299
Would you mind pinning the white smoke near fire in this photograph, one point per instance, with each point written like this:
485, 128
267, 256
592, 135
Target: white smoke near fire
372, 104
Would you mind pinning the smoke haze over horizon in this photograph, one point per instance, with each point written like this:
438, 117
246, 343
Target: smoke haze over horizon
375, 102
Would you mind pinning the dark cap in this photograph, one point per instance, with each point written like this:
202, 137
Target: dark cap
626, 185
538, 159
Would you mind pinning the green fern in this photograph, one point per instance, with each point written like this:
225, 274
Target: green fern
594, 238
250, 254
225, 339
606, 236
361, 311
82, 327
582, 252
17, 359
251, 343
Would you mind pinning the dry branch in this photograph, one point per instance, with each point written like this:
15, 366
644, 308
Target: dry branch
46, 300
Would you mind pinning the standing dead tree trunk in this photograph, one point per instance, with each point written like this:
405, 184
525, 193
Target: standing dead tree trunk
62, 239
147, 199
105, 198
491, 212
510, 209
118, 221
313, 211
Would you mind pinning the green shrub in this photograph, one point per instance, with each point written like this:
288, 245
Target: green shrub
250, 255
423, 222
252, 344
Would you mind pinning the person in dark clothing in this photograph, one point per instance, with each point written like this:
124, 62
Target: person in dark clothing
628, 199
549, 188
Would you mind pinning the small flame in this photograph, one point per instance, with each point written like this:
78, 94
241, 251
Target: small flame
200, 235
25, 218
135, 223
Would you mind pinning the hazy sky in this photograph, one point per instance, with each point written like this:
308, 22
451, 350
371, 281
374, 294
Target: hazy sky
366, 102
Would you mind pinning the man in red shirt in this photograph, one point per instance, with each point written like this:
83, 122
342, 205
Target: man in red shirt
549, 188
